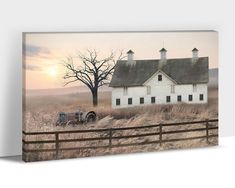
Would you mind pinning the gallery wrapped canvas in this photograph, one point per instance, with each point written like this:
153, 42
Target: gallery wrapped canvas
92, 94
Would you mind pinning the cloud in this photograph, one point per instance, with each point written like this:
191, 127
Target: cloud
36, 57
32, 67
35, 51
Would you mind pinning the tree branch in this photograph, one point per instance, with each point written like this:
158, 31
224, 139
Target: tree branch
90, 71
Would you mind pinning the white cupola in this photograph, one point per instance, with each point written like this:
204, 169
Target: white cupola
130, 55
130, 58
163, 59
163, 53
194, 55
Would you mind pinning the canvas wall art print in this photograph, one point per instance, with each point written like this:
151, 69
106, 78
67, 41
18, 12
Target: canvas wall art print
93, 94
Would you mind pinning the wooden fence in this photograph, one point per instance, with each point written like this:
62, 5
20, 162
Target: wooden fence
109, 135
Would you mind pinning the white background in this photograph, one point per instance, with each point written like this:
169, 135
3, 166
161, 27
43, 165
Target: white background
106, 15
196, 168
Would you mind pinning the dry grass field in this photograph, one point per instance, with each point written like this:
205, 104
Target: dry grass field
41, 113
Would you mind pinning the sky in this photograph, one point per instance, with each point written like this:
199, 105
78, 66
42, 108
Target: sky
43, 53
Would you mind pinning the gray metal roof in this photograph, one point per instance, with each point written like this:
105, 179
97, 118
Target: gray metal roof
183, 71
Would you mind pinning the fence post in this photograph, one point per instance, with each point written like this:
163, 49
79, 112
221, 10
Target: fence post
160, 134
110, 138
207, 130
57, 144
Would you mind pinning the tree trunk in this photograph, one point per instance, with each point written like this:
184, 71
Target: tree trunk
95, 97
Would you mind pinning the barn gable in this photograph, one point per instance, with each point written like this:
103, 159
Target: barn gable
165, 79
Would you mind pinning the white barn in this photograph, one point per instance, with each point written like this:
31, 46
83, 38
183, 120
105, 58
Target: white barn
159, 81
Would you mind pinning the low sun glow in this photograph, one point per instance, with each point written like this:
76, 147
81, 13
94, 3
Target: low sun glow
52, 71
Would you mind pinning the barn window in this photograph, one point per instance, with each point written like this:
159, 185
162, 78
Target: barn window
190, 97
201, 97
125, 91
168, 98
129, 101
141, 100
172, 88
148, 90
159, 77
118, 102
179, 98
153, 100
194, 87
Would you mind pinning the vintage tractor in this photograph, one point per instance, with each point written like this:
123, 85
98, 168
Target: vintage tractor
75, 118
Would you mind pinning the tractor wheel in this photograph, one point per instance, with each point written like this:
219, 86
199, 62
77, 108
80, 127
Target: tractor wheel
90, 117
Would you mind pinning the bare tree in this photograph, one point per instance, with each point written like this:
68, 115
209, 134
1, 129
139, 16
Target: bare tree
91, 71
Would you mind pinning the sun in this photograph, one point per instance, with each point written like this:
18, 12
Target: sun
52, 71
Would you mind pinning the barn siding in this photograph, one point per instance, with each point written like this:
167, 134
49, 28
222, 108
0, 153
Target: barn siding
159, 90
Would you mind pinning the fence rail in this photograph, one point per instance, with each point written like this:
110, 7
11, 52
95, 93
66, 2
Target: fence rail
110, 136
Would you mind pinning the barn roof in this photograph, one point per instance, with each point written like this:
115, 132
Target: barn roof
182, 71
